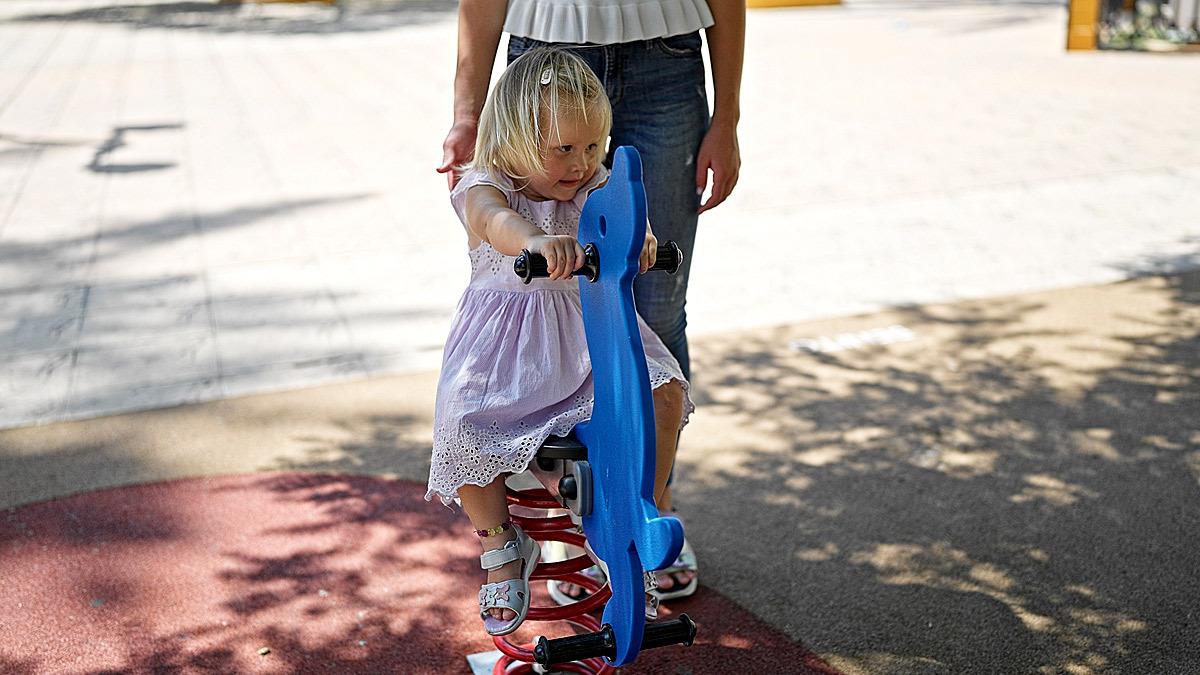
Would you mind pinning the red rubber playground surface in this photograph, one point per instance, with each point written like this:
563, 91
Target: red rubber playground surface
284, 573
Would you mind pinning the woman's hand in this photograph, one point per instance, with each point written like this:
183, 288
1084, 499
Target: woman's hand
458, 148
719, 153
649, 250
562, 252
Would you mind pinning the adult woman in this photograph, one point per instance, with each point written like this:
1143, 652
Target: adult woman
647, 54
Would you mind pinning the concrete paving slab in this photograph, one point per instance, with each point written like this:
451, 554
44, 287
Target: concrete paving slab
898, 152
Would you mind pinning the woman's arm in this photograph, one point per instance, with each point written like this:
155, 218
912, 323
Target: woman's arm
490, 218
480, 23
719, 151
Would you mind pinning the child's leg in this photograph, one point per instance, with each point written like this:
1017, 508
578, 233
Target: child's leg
668, 414
488, 507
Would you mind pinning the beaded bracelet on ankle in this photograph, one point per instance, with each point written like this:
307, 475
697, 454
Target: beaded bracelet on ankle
493, 531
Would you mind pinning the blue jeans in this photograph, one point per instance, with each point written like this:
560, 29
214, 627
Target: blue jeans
660, 107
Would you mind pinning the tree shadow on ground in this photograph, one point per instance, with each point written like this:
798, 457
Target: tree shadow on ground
18, 666
385, 602
1012, 492
387, 445
399, 446
345, 16
329, 573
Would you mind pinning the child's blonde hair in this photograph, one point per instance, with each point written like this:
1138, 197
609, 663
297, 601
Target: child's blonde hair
524, 105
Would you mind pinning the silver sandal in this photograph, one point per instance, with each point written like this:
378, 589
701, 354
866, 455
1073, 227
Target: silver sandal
686, 562
650, 584
649, 580
511, 594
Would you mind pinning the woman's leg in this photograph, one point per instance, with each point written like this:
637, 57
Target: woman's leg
661, 108
488, 507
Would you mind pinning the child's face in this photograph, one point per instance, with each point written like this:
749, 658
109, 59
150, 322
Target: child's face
570, 157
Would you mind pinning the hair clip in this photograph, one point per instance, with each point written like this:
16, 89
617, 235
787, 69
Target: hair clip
547, 74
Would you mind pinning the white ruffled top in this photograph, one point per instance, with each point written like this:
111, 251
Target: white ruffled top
604, 22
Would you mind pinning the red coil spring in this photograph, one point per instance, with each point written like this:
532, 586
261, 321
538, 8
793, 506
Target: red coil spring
555, 528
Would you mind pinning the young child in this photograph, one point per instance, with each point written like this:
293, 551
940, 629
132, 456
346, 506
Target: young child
516, 366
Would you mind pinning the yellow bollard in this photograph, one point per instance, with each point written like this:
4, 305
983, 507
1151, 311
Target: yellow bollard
1083, 21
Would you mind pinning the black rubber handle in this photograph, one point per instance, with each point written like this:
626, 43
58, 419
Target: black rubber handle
601, 643
681, 631
668, 259
576, 647
530, 266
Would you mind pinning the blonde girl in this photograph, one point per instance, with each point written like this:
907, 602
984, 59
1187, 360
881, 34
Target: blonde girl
516, 367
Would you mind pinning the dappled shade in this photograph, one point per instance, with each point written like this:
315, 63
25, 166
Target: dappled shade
329, 573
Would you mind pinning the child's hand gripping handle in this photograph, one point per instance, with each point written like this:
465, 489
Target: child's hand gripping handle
530, 266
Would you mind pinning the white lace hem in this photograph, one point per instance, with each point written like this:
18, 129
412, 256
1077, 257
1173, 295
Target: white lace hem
495, 452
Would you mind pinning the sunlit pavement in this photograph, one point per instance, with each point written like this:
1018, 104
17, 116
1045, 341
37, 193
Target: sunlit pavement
934, 435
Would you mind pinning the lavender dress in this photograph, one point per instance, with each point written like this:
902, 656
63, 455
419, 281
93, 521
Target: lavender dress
516, 368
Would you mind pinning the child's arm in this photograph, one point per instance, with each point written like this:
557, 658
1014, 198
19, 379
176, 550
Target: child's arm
490, 219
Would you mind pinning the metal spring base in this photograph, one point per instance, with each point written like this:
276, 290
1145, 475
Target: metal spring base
519, 659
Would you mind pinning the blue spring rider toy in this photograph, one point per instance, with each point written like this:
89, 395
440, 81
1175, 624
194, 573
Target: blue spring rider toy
605, 474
